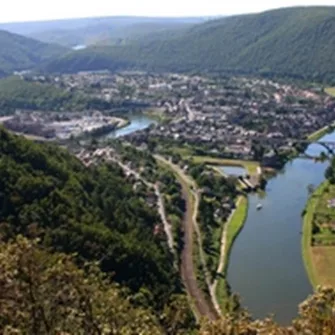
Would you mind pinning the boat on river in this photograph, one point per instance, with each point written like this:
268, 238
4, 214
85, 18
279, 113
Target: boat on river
259, 206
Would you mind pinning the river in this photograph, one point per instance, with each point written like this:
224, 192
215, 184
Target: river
266, 267
136, 122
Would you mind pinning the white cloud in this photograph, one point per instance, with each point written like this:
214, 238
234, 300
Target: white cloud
23, 10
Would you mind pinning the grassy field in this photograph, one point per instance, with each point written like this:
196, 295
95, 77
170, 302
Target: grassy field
330, 91
320, 133
250, 166
323, 259
319, 260
222, 293
235, 225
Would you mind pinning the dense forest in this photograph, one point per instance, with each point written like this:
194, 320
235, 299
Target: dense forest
22, 53
48, 194
295, 42
16, 93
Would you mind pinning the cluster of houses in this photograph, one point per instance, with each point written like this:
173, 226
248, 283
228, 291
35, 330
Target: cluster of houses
224, 113
233, 113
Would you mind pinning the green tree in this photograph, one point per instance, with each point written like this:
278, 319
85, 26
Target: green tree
43, 293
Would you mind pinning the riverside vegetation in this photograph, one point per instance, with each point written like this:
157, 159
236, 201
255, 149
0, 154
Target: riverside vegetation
319, 232
48, 195
82, 248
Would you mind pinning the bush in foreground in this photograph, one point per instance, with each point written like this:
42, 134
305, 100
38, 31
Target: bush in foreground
44, 293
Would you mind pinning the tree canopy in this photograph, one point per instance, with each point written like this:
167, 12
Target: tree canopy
47, 193
17, 93
22, 53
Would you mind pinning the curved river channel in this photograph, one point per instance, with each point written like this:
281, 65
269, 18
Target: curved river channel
266, 267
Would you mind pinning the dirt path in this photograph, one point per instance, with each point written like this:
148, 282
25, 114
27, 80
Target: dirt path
223, 252
202, 306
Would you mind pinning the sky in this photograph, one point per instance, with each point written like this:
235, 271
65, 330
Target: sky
31, 10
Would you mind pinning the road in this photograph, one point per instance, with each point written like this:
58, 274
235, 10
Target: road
203, 307
160, 201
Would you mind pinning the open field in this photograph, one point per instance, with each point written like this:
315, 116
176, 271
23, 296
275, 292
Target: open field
330, 91
319, 260
235, 225
307, 236
323, 259
320, 133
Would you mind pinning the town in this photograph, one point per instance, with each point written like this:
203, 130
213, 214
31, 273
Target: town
220, 114
62, 126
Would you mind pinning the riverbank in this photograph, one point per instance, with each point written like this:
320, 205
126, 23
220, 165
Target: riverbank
321, 132
330, 91
122, 122
319, 260
234, 226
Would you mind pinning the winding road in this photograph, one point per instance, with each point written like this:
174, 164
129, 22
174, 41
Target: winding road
160, 201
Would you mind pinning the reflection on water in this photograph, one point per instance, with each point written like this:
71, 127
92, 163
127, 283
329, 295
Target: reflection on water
233, 170
137, 122
79, 47
266, 266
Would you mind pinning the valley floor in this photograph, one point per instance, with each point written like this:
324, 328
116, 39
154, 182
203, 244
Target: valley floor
318, 243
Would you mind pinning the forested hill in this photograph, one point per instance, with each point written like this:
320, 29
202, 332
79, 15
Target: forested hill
17, 93
47, 193
22, 53
296, 41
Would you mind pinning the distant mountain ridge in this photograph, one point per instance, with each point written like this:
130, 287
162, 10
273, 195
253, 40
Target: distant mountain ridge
87, 31
22, 53
298, 41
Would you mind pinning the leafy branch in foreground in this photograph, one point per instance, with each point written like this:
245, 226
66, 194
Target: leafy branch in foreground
43, 293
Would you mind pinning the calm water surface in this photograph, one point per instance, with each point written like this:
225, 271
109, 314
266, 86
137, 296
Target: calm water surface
79, 47
266, 266
137, 122
233, 170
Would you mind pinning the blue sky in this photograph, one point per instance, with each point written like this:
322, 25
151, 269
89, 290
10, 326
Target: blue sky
29, 10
